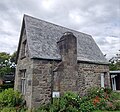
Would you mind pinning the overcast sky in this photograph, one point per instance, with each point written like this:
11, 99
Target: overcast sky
99, 18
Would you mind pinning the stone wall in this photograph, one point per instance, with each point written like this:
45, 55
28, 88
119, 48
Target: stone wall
24, 63
90, 76
42, 77
39, 74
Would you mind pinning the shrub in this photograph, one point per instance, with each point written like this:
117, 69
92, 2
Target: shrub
115, 96
6, 86
87, 106
8, 109
69, 102
117, 105
43, 108
13, 109
104, 98
10, 98
108, 90
69, 98
95, 91
98, 99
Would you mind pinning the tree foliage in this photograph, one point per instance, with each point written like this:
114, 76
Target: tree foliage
115, 62
114, 66
7, 63
4, 56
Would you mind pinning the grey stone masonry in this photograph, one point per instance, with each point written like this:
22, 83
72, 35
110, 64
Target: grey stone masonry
90, 76
24, 63
68, 74
41, 86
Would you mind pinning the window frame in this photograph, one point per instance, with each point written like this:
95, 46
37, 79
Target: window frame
102, 75
23, 81
24, 49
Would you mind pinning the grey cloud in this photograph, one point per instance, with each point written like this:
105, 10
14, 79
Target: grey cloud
102, 41
99, 18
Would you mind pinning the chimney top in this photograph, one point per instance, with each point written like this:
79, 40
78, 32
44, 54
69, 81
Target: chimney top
68, 33
65, 35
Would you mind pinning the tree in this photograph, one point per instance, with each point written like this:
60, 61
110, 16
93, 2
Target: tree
7, 63
13, 57
13, 61
115, 62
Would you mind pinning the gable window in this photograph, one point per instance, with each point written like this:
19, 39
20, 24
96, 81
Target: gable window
24, 49
23, 82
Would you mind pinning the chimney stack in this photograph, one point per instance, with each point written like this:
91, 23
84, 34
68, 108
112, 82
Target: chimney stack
68, 51
68, 48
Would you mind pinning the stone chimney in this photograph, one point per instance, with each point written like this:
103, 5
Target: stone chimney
68, 48
68, 51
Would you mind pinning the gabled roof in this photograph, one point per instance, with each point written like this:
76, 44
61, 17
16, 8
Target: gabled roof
42, 40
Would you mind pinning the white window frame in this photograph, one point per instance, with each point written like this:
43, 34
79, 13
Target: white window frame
23, 82
102, 80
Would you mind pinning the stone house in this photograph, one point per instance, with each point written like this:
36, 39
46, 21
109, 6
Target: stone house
52, 60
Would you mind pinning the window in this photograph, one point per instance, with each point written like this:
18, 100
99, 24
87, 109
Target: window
102, 80
24, 49
23, 82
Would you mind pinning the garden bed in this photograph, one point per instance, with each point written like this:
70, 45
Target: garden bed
96, 100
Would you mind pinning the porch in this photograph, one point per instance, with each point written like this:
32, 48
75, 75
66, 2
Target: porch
115, 80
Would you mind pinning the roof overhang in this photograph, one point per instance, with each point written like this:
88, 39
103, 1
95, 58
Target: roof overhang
79, 61
115, 72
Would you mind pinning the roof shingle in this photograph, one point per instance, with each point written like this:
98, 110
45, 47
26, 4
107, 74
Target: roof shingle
42, 40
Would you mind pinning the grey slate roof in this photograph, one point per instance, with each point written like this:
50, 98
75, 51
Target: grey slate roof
42, 37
